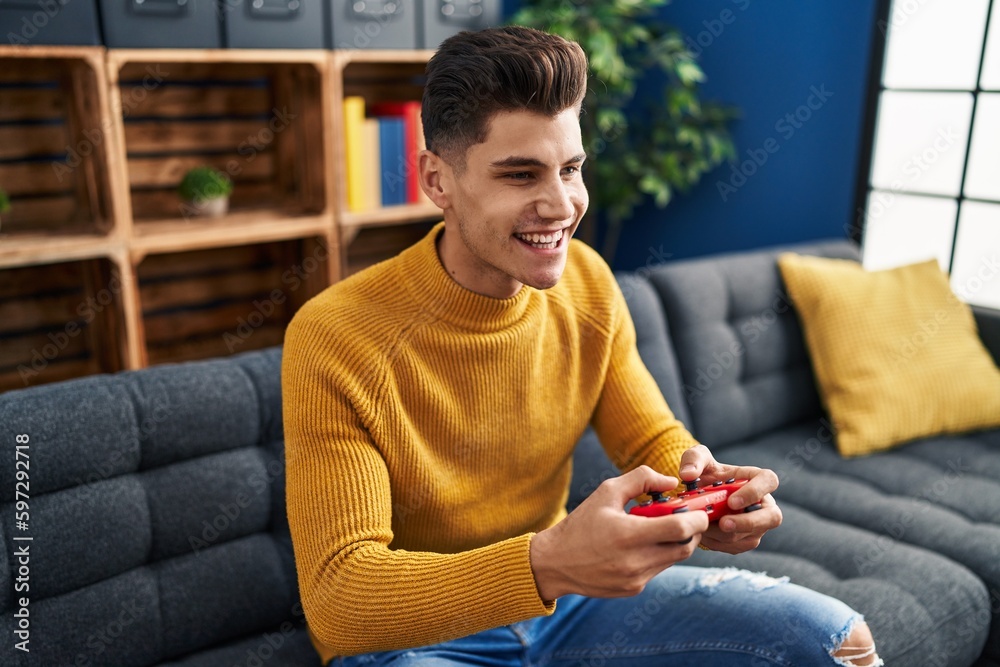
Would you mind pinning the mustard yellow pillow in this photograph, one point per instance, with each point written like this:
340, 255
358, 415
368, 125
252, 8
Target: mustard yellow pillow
897, 356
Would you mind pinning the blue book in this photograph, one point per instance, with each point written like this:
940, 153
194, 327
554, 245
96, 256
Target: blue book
392, 140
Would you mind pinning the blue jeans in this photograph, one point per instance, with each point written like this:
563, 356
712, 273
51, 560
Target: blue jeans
685, 616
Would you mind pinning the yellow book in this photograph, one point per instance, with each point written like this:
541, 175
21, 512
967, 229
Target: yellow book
373, 165
354, 152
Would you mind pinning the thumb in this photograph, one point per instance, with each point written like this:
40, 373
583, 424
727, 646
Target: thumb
639, 481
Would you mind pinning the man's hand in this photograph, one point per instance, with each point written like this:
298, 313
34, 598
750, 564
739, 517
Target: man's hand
735, 533
599, 550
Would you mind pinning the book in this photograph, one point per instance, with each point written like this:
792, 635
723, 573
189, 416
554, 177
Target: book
372, 164
409, 112
393, 159
354, 155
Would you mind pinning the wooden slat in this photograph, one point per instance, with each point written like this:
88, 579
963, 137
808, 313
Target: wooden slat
169, 171
204, 261
179, 72
30, 70
216, 346
40, 214
211, 135
56, 370
26, 282
19, 349
20, 104
156, 204
167, 328
246, 284
40, 311
22, 141
33, 178
169, 100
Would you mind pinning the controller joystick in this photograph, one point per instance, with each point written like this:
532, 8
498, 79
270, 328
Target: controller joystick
712, 499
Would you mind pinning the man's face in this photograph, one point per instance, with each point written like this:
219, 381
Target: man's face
510, 213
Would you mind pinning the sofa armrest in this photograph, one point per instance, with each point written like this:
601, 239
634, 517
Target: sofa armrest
988, 323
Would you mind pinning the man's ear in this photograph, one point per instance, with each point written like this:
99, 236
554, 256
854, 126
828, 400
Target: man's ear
435, 177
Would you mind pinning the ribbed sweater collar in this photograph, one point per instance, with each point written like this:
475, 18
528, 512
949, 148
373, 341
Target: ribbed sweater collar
430, 285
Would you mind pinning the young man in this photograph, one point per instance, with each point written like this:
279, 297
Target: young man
432, 404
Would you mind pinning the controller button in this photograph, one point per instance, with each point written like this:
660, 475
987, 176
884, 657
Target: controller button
691, 486
717, 484
681, 509
656, 496
709, 508
730, 480
754, 508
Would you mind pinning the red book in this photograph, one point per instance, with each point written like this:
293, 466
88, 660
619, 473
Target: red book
409, 111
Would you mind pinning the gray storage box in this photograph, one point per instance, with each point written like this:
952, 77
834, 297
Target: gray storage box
61, 22
374, 24
274, 24
161, 24
444, 18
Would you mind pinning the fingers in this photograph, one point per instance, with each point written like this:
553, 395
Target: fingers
695, 462
634, 483
670, 529
741, 532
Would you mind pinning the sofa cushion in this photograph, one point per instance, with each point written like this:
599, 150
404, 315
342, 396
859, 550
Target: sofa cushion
895, 352
157, 517
938, 495
739, 346
923, 609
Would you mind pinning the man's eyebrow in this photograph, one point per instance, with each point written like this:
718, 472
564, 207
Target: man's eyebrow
521, 161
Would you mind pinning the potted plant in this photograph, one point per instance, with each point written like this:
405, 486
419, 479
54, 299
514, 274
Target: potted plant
649, 147
205, 191
4, 202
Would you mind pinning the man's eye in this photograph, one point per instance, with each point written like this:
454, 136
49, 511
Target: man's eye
569, 171
519, 175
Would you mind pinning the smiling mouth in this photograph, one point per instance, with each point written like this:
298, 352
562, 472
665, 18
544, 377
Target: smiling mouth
542, 241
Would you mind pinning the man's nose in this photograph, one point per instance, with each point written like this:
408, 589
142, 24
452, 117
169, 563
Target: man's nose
555, 201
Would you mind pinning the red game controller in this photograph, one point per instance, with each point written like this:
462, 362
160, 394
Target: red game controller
712, 499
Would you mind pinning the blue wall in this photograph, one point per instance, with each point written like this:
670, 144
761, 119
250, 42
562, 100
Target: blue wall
769, 58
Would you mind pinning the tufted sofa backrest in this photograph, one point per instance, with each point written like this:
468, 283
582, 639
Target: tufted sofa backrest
156, 505
743, 363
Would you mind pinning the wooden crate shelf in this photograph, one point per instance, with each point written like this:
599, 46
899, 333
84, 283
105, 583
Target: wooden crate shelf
253, 116
121, 127
60, 321
206, 303
54, 143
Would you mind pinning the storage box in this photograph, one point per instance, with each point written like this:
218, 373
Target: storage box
274, 24
374, 24
61, 22
444, 18
161, 23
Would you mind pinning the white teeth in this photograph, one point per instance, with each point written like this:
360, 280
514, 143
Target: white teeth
547, 240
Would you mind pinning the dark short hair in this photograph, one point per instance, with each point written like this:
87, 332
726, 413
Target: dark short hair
474, 75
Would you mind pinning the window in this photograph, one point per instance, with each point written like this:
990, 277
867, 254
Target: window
933, 181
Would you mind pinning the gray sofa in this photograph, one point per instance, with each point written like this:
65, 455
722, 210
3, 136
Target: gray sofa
156, 499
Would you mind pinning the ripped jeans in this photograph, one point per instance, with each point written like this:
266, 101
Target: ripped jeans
685, 616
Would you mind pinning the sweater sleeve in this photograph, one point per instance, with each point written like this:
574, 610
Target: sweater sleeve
632, 419
359, 595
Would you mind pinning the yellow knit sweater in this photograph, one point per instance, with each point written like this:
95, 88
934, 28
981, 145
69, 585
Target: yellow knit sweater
429, 434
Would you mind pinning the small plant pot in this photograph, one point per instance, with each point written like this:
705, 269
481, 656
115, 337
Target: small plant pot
209, 208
